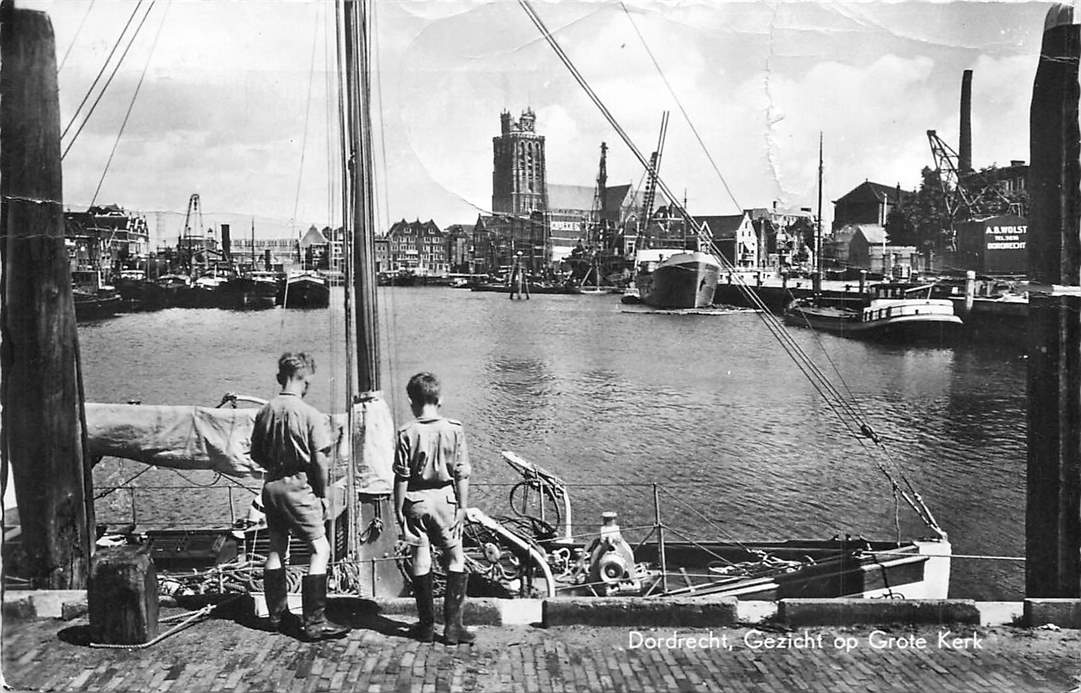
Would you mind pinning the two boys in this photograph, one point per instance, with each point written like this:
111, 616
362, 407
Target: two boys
291, 440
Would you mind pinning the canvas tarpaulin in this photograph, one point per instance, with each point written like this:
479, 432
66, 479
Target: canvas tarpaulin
184, 437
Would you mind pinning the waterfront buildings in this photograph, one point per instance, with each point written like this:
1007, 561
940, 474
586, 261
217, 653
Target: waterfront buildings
106, 238
418, 247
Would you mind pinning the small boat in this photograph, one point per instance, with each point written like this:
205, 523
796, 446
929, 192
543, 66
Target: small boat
306, 289
93, 298
894, 309
670, 278
174, 288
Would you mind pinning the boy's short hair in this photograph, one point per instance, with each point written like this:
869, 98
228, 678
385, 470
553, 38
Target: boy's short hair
295, 365
423, 388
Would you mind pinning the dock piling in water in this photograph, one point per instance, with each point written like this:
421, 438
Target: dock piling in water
39, 389
1053, 507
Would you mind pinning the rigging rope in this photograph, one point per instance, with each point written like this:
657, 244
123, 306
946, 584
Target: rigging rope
131, 104
108, 58
851, 417
105, 87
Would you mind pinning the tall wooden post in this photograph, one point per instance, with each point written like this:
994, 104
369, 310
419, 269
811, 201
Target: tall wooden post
38, 380
1053, 509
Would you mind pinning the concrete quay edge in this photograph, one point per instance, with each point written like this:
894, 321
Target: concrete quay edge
643, 612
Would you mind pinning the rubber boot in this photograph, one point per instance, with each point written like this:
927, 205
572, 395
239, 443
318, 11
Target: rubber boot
277, 601
453, 599
314, 598
424, 629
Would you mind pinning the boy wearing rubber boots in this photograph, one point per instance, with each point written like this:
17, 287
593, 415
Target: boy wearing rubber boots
290, 440
431, 491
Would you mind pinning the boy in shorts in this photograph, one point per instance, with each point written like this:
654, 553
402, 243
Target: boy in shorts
290, 440
431, 491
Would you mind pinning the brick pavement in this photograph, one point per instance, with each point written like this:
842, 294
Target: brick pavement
222, 655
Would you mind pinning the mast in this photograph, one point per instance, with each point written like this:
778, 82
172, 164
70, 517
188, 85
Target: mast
361, 204
818, 226
253, 244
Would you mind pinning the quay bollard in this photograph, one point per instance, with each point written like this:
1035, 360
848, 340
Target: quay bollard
122, 596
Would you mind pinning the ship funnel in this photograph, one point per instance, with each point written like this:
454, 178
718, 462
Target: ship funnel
964, 151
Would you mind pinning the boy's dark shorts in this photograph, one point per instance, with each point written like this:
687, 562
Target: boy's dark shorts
291, 505
430, 515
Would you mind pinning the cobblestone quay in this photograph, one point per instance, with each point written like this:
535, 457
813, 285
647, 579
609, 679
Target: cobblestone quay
221, 655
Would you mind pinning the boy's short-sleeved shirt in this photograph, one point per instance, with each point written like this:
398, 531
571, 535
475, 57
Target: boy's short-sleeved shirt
431, 453
287, 433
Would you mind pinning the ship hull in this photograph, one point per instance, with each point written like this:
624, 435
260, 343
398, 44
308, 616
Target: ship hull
684, 280
306, 291
848, 323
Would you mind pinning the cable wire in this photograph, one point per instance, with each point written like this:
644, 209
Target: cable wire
75, 38
105, 87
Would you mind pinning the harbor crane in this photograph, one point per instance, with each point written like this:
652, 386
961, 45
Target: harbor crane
654, 169
967, 194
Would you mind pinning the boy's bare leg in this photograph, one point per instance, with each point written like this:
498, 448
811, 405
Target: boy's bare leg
279, 546
422, 558
453, 559
320, 557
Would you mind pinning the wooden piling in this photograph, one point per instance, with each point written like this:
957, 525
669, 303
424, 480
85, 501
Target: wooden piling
1053, 508
38, 381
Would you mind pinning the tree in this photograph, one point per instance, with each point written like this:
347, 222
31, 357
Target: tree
899, 228
927, 223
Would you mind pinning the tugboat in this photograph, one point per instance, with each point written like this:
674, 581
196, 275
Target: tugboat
893, 309
138, 293
249, 291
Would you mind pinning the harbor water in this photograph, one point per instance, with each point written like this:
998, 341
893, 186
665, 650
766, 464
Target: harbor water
709, 407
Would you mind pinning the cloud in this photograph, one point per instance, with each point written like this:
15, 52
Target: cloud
223, 107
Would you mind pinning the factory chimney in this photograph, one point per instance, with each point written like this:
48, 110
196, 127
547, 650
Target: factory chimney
964, 155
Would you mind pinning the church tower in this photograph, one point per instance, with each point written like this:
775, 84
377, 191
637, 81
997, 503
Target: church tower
519, 184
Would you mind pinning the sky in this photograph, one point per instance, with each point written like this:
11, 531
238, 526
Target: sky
236, 102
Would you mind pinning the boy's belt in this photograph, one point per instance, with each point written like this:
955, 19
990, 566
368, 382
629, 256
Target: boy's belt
421, 486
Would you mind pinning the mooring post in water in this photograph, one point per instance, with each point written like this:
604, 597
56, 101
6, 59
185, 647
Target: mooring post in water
970, 292
38, 381
1053, 507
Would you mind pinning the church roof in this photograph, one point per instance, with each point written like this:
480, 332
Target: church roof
578, 197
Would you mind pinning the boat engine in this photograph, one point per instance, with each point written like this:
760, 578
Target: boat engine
611, 560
